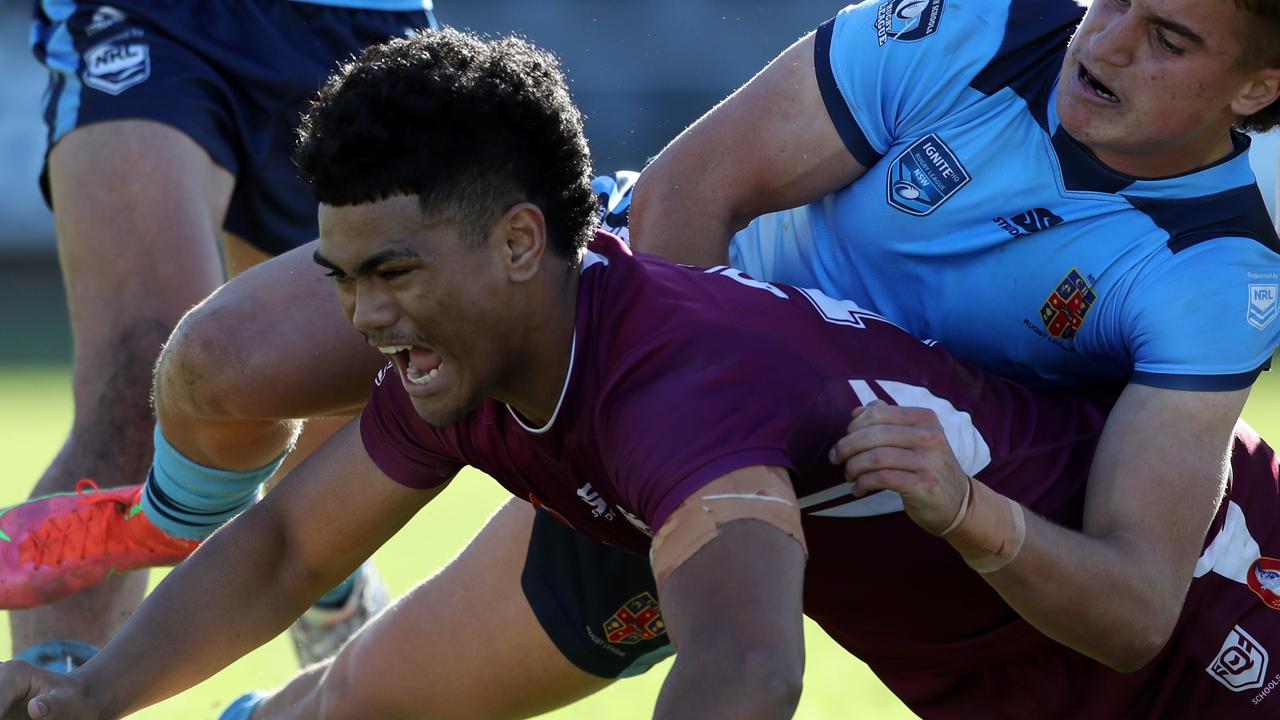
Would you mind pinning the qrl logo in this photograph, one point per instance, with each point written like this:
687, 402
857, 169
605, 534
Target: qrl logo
1241, 663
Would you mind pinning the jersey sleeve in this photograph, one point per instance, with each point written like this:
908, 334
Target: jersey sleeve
402, 445
686, 410
1207, 320
889, 69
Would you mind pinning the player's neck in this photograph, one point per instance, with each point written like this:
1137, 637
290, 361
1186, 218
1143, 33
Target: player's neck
538, 379
1168, 160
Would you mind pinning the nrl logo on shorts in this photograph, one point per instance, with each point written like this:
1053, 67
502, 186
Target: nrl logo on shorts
1262, 305
907, 20
924, 176
640, 619
117, 64
1241, 663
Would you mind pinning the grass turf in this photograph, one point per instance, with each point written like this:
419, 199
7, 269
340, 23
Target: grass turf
35, 412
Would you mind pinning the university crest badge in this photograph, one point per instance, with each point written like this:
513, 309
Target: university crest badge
924, 175
1064, 311
640, 619
1262, 305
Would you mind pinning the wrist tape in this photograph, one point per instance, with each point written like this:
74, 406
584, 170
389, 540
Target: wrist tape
989, 529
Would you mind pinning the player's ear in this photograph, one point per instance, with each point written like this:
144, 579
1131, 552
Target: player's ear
523, 230
1261, 90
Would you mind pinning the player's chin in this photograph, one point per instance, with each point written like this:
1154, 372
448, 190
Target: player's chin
440, 412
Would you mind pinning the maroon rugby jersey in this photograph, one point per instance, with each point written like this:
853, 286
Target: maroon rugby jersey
681, 375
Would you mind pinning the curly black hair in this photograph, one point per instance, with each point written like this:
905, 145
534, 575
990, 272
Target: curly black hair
470, 125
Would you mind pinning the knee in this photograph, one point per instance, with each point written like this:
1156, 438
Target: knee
201, 369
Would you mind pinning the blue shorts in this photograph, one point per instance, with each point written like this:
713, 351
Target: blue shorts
234, 75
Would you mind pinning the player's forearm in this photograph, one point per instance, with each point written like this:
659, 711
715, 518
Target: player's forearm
751, 686
236, 592
1098, 596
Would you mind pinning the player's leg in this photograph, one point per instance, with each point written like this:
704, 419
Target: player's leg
137, 209
464, 644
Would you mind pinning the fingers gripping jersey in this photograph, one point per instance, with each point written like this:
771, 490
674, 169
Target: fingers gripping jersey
982, 223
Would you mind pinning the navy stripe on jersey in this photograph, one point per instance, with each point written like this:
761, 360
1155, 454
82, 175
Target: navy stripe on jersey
1081, 170
1240, 212
1206, 383
850, 132
1030, 55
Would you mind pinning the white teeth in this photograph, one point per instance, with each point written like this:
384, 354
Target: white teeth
420, 378
392, 349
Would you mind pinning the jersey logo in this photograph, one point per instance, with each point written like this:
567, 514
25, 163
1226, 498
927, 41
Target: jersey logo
1064, 312
924, 176
104, 17
1033, 220
1241, 664
1264, 581
599, 508
1262, 305
640, 619
907, 20
117, 64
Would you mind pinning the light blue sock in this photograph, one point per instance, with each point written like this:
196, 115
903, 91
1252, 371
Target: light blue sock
337, 597
188, 500
58, 655
242, 707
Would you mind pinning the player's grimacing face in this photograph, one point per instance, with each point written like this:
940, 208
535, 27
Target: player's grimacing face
420, 294
1148, 85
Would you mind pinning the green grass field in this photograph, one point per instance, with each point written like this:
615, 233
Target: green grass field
35, 414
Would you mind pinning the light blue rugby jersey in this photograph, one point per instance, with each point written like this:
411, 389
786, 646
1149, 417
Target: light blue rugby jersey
982, 224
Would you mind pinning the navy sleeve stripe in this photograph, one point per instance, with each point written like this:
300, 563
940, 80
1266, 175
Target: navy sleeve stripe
854, 139
1213, 383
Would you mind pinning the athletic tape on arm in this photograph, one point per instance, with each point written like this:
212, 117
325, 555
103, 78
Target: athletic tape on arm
750, 494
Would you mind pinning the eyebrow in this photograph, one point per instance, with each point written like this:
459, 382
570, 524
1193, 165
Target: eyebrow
1177, 27
369, 264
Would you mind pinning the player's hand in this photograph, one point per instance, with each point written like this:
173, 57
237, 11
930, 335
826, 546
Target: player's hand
28, 692
903, 449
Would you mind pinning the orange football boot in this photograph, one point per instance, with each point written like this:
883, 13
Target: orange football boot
57, 545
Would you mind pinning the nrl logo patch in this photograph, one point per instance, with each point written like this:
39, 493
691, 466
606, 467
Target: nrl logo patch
640, 619
924, 176
117, 64
907, 20
1262, 305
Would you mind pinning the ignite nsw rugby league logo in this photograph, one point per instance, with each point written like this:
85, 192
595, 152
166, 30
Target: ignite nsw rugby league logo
924, 175
907, 20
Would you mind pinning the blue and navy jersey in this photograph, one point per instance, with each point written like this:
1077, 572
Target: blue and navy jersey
981, 223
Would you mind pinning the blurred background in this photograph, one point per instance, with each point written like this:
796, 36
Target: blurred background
641, 72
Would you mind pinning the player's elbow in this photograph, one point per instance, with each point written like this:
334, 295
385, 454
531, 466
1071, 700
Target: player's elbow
756, 683
776, 680
1143, 640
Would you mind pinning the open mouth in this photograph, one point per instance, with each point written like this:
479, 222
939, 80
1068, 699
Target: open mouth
1096, 86
418, 365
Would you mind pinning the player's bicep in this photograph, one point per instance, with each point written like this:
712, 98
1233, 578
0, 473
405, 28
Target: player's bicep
771, 145
338, 506
1158, 473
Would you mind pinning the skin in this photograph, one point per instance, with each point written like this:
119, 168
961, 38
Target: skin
399, 279
1149, 506
120, 317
